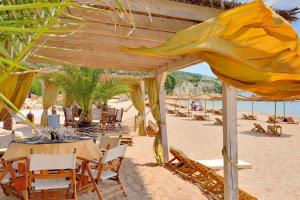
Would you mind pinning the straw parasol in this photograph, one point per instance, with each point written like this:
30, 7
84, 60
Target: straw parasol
261, 98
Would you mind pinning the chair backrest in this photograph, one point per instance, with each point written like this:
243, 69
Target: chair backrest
52, 161
96, 114
119, 114
53, 121
68, 113
112, 142
111, 111
114, 153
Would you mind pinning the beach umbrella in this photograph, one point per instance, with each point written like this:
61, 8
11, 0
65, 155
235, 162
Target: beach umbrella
215, 97
252, 99
284, 109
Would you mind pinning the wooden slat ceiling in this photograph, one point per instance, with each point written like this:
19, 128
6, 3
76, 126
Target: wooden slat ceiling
96, 42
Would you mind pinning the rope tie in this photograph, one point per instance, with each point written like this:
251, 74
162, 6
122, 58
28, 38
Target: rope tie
226, 157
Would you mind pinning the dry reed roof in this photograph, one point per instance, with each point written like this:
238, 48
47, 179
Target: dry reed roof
288, 14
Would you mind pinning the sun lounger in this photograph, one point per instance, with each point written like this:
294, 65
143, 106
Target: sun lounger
210, 110
252, 117
201, 117
210, 182
218, 164
258, 128
171, 111
245, 116
152, 129
272, 119
182, 114
290, 120
274, 130
218, 121
217, 112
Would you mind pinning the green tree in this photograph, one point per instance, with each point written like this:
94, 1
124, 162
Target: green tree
170, 83
80, 84
36, 87
107, 90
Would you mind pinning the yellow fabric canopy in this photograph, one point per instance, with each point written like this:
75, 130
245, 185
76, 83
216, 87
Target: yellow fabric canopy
15, 88
250, 47
152, 89
138, 100
50, 90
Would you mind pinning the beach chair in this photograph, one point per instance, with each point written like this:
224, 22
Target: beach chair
258, 128
252, 117
272, 119
152, 129
274, 130
245, 116
10, 177
171, 111
69, 117
119, 116
290, 120
201, 117
218, 121
209, 110
111, 141
209, 181
217, 112
109, 166
182, 114
96, 115
51, 173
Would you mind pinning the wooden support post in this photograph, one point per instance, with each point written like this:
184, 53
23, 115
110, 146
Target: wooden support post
230, 149
161, 77
142, 86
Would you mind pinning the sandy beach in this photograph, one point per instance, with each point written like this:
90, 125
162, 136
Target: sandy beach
275, 160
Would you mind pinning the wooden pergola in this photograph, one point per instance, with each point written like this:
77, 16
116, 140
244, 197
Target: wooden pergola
97, 41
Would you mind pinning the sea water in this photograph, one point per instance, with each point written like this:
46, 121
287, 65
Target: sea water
291, 108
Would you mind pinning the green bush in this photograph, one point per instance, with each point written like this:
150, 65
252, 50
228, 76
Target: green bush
36, 87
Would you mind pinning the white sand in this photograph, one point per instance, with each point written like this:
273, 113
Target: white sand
274, 176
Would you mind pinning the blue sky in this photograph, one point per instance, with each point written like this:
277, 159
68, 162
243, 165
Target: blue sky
204, 68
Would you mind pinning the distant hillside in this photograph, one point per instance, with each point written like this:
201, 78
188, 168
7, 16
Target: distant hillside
188, 75
207, 83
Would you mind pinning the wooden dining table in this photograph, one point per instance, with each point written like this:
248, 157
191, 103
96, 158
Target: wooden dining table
86, 151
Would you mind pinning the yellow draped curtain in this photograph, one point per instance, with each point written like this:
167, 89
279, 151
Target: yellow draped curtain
138, 101
153, 93
50, 90
16, 89
250, 47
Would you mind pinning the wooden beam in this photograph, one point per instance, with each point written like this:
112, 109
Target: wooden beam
230, 149
161, 76
163, 8
140, 21
103, 55
93, 62
98, 28
183, 62
82, 38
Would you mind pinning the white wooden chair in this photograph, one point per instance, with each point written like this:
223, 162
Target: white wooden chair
109, 166
51, 172
9, 174
96, 115
119, 116
112, 142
